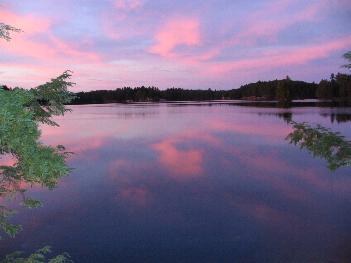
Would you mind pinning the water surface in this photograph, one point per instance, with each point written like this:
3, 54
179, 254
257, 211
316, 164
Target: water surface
191, 182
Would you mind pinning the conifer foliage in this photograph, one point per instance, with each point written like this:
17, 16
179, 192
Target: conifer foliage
21, 112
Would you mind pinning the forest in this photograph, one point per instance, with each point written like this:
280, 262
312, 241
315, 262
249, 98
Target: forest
338, 87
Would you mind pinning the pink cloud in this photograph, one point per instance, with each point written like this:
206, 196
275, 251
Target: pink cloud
263, 24
176, 32
188, 51
73, 53
28, 75
283, 57
266, 24
180, 163
28, 23
21, 45
52, 49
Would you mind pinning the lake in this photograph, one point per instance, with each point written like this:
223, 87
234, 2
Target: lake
191, 182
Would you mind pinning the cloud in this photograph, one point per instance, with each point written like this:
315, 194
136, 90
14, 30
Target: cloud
180, 163
30, 24
283, 57
176, 32
199, 47
263, 25
37, 41
273, 19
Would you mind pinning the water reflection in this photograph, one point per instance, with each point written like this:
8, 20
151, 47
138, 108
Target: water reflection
191, 184
320, 141
323, 143
338, 117
44, 166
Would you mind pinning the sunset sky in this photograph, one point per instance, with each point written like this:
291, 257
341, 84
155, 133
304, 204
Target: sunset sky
218, 44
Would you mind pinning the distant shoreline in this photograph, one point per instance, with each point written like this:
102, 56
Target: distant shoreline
238, 102
337, 90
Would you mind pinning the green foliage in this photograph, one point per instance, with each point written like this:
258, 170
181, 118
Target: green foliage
39, 256
51, 97
322, 143
21, 112
9, 229
5, 31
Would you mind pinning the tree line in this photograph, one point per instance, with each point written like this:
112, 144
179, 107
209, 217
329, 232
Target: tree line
337, 88
262, 90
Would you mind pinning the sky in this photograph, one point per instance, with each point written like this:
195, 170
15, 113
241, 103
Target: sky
198, 44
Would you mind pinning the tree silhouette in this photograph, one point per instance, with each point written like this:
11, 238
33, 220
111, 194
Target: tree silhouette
283, 92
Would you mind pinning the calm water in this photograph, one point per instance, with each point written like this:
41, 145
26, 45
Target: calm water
191, 182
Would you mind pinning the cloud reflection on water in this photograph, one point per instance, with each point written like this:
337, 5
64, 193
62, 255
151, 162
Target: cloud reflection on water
218, 179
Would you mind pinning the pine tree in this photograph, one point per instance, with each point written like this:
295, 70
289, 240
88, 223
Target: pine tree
283, 91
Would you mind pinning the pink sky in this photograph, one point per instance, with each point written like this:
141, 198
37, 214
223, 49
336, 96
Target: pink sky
199, 44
